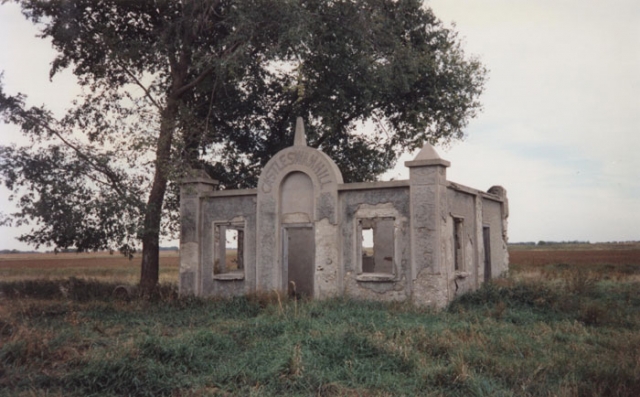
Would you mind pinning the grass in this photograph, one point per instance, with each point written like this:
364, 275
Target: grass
564, 333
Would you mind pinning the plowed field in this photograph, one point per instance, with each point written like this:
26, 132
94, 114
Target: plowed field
537, 257
618, 261
98, 265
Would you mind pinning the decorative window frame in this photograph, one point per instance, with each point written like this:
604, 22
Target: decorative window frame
220, 273
371, 213
458, 246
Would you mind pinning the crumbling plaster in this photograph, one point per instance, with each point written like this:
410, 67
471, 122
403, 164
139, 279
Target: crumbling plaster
370, 204
301, 189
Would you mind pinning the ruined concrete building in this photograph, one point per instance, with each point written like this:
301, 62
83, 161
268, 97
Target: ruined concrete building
304, 231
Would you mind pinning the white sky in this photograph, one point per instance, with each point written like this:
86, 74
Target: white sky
560, 127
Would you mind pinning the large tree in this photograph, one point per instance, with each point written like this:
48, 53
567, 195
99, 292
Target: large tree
170, 86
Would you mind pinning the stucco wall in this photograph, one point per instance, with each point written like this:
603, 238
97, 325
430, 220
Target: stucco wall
303, 222
462, 205
228, 209
492, 217
372, 203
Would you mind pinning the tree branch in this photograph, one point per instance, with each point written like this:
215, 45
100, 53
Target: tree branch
139, 84
180, 91
110, 174
205, 73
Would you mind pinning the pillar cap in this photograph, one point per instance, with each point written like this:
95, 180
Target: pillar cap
199, 176
428, 152
427, 156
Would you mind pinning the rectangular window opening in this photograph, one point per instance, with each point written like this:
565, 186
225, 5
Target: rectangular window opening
458, 243
486, 237
234, 249
229, 252
377, 245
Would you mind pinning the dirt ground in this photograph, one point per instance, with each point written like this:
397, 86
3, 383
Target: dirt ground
604, 256
98, 265
78, 260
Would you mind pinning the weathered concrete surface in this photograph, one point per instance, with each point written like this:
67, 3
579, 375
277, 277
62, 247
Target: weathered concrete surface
462, 205
431, 289
190, 229
304, 225
328, 272
495, 213
429, 207
298, 181
356, 205
228, 210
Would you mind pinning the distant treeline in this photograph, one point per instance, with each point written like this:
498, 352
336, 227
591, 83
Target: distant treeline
4, 252
574, 242
550, 242
67, 250
541, 242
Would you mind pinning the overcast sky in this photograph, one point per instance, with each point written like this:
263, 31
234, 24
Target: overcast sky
560, 129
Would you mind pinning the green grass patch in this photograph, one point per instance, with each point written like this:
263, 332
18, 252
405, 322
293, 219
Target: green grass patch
549, 337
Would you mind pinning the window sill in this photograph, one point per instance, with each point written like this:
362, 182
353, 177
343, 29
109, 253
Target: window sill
376, 277
231, 276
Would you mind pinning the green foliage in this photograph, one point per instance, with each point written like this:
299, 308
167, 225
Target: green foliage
216, 84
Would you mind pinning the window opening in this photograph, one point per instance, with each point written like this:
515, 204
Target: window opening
486, 237
457, 243
230, 248
377, 245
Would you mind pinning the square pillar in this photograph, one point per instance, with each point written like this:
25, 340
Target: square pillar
191, 191
428, 207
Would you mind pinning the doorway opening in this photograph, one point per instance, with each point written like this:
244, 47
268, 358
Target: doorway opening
486, 238
299, 250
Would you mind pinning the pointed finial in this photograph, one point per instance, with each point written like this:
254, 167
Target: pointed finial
300, 139
427, 152
427, 156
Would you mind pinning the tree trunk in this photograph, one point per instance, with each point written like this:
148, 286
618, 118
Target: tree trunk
151, 234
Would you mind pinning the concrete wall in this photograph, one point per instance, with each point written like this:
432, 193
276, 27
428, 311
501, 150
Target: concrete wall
462, 206
492, 218
373, 203
191, 191
303, 224
236, 209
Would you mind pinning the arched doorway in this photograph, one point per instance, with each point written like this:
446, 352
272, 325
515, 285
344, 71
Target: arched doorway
298, 237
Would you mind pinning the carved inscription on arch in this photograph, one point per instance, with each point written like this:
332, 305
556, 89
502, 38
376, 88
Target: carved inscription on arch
298, 157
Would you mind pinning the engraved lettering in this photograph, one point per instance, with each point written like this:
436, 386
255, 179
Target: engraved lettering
310, 160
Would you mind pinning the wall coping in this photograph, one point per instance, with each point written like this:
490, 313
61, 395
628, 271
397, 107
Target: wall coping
373, 185
230, 193
205, 181
474, 192
426, 163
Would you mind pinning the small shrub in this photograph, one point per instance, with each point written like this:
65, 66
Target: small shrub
75, 289
593, 313
581, 282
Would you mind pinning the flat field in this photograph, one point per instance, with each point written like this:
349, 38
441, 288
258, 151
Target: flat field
611, 261
103, 266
